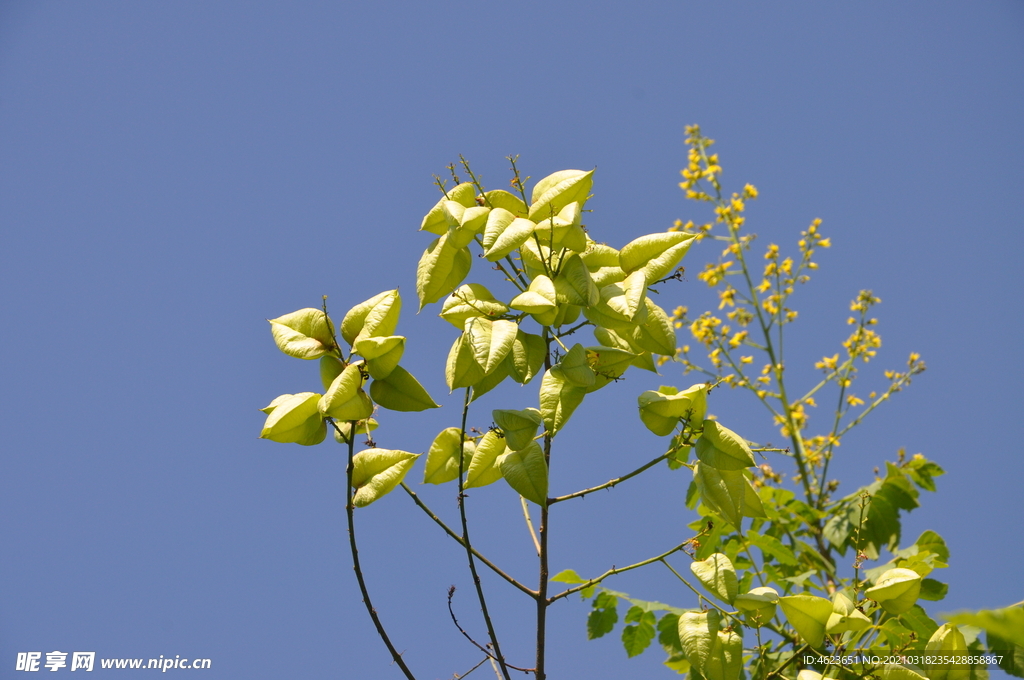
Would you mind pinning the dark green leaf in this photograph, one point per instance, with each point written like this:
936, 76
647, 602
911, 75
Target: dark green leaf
636, 638
933, 590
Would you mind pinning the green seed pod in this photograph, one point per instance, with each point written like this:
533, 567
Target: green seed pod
896, 590
845, 616
758, 606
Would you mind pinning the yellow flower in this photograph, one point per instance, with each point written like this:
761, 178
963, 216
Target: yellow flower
853, 400
746, 360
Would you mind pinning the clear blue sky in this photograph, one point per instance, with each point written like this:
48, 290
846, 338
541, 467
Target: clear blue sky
172, 174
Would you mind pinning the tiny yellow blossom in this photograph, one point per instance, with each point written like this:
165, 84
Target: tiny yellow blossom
746, 360
853, 400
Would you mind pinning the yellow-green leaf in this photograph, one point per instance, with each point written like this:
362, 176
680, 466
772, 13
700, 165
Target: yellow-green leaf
519, 427
400, 391
558, 400
441, 269
485, 466
758, 605
717, 574
722, 448
345, 399
443, 457
295, 419
538, 298
510, 237
723, 491
470, 300
342, 430
657, 332
330, 368
375, 317
461, 368
661, 411
436, 221
526, 357
558, 190
609, 363
574, 285
376, 472
808, 614
497, 198
574, 367
896, 590
305, 334
490, 341
527, 473
655, 254
845, 616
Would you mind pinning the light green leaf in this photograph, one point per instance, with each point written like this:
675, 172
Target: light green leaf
375, 347
518, 427
568, 576
441, 269
461, 369
305, 334
510, 237
498, 198
895, 671
526, 357
661, 411
345, 398
608, 363
490, 381
539, 298
657, 332
375, 317
808, 614
573, 284
294, 419
1006, 623
436, 221
698, 635
527, 473
343, 430
717, 575
574, 368
758, 605
468, 301
845, 616
330, 368
772, 547
485, 466
400, 391
947, 640
655, 254
443, 457
721, 490
896, 591
558, 190
490, 341
598, 255
558, 400
376, 472
382, 366
610, 338
722, 448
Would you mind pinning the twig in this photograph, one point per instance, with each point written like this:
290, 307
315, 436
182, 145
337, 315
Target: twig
618, 570
451, 593
529, 525
350, 511
495, 568
610, 483
466, 542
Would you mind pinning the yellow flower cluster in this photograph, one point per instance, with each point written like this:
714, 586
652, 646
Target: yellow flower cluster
714, 274
707, 329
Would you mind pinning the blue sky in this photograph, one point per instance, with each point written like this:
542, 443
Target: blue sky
173, 174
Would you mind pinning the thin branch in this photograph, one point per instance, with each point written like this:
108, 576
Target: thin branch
618, 570
451, 593
495, 568
466, 542
350, 511
482, 662
612, 482
529, 525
